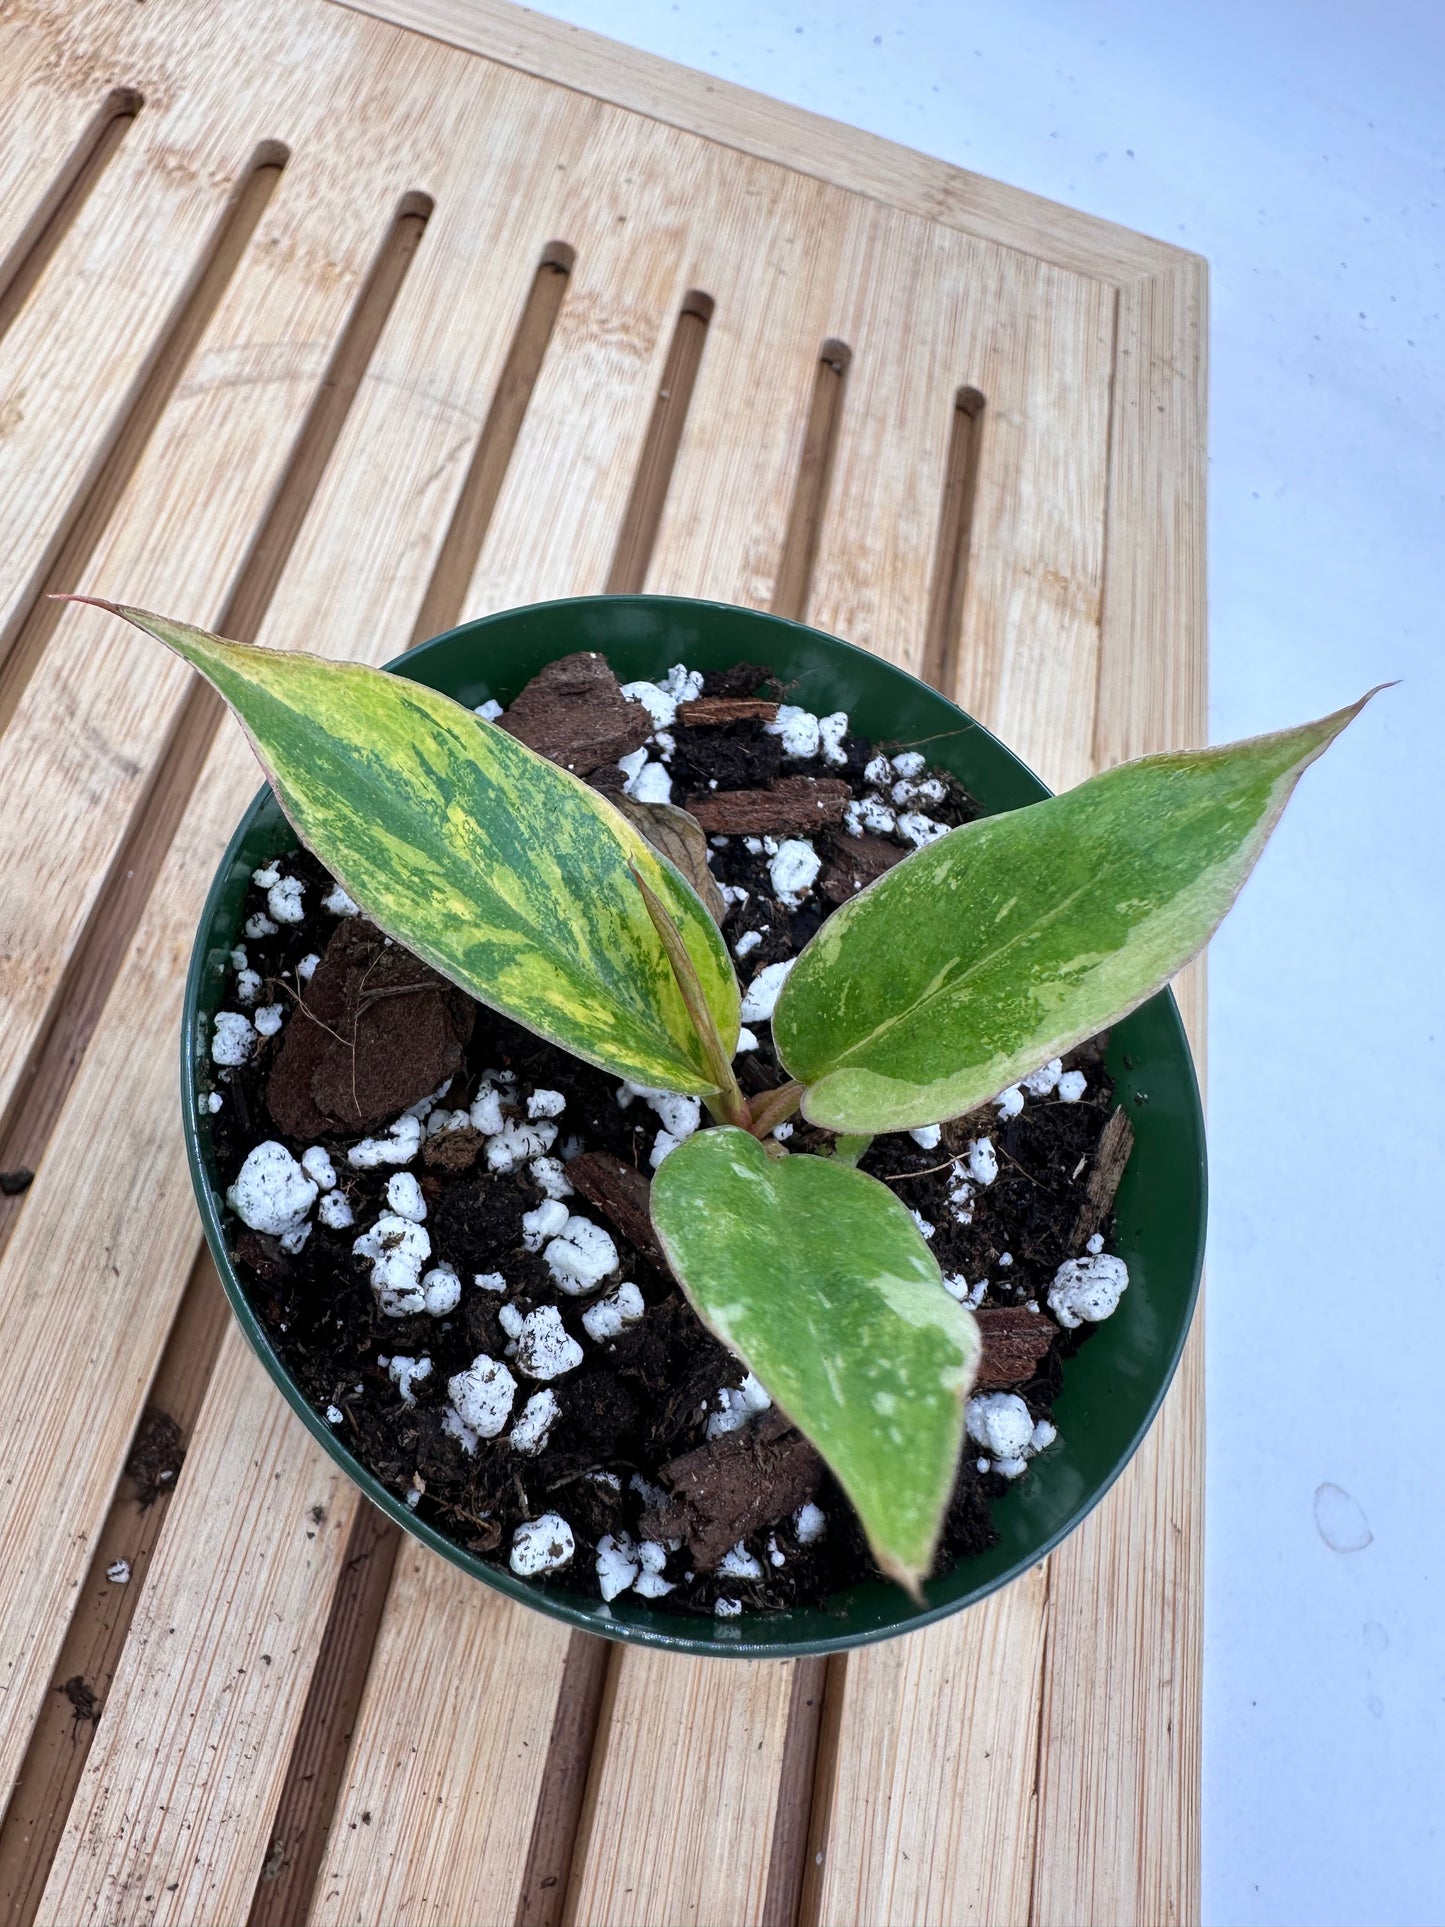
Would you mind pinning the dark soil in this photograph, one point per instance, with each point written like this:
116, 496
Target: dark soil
373, 1031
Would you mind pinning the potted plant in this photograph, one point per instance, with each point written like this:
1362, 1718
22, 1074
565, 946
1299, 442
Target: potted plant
966, 971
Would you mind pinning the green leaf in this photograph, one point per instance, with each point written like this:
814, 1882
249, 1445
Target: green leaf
816, 1277
1012, 939
507, 874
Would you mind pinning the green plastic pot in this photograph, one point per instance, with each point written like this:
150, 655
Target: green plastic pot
1112, 1388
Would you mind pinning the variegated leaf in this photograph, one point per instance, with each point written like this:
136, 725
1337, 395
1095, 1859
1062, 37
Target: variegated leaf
817, 1278
1010, 940
505, 873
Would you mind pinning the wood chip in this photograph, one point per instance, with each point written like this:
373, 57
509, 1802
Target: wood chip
797, 804
733, 1486
857, 861
1014, 1340
574, 713
718, 710
1115, 1144
621, 1194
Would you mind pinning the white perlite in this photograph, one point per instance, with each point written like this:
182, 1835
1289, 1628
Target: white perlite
269, 1020
927, 1136
794, 870
317, 1165
272, 1193
1040, 1082
1009, 1103
233, 1038
924, 1226
736, 1407
213, 1102
489, 1281
831, 731
118, 1573
727, 1608
1087, 1290
617, 1564
982, 1161
334, 1211
545, 1347
539, 1415
334, 1415
739, 1563
580, 1257
397, 1249
405, 1372
283, 900
810, 1522
678, 1115
920, 829
441, 1291
339, 904
957, 1286
403, 1196
399, 1146
482, 1396
746, 944
546, 1104
799, 729
869, 813
909, 763
550, 1177
609, 1315
1000, 1423
1072, 1086
1095, 1245
652, 784
541, 1545
258, 925
268, 874
517, 1144
747, 1040
760, 999
248, 986
489, 711
545, 1222
306, 969
650, 1583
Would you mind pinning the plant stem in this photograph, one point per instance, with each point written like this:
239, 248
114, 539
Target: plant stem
773, 1108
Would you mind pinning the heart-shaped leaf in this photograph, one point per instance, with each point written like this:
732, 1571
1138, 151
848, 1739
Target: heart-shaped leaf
1012, 939
817, 1278
506, 873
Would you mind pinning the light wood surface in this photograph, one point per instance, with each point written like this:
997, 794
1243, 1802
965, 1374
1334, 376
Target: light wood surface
259, 396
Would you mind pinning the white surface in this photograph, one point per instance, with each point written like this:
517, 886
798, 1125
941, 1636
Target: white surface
1297, 145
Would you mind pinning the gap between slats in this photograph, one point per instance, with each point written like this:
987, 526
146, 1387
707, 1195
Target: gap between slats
86, 983
643, 515
49, 224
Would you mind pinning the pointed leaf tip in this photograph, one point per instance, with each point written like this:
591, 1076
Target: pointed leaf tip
1016, 937
817, 1278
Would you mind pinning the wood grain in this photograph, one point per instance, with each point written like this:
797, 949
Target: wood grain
173, 1813
736, 117
486, 461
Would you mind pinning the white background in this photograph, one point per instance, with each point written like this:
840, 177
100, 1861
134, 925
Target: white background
1300, 146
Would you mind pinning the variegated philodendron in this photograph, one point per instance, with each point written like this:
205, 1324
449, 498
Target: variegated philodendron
964, 967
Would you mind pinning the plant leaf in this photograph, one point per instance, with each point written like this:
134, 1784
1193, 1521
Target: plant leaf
507, 874
682, 840
1014, 938
816, 1277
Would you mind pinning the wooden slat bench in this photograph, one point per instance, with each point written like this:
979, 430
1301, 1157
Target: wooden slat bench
331, 327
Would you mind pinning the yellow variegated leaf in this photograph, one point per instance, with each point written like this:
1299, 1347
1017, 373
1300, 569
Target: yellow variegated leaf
505, 873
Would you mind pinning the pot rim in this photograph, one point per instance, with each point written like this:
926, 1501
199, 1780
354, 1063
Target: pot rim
731, 1638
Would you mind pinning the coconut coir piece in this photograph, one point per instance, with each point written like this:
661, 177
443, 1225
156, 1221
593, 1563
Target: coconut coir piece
1014, 1341
795, 804
733, 1486
856, 862
376, 1030
715, 711
574, 713
1102, 1182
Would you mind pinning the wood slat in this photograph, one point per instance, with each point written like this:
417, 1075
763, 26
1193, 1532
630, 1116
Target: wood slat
737, 118
927, 303
176, 1780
